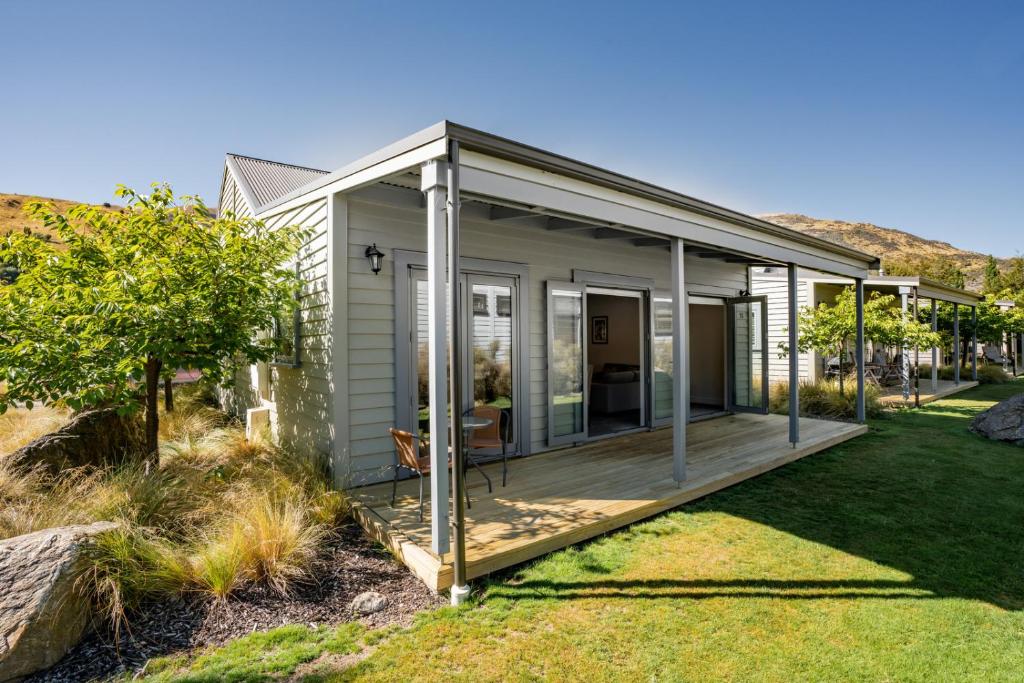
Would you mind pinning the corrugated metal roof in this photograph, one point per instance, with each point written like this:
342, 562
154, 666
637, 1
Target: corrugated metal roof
266, 181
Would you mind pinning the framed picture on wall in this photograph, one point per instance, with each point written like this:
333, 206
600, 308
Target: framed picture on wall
599, 329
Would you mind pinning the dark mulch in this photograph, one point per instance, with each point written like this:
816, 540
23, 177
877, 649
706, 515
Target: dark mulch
352, 564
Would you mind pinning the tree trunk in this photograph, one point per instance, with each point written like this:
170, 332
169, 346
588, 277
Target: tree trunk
168, 395
152, 419
842, 370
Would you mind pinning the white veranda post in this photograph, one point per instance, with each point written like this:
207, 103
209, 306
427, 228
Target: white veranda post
680, 372
437, 324
859, 350
794, 356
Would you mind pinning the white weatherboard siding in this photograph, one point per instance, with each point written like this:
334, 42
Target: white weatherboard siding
299, 398
777, 291
231, 199
550, 255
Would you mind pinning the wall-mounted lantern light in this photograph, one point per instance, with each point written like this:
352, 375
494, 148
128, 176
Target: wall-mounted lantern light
376, 257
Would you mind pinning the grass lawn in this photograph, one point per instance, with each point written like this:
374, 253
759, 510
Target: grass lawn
897, 556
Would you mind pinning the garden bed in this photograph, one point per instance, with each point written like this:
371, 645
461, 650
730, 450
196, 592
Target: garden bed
350, 565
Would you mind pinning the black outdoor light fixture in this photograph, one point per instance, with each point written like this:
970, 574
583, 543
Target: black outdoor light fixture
376, 257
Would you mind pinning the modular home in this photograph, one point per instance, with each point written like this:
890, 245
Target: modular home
607, 322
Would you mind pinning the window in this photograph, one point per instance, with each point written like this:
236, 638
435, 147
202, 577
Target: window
503, 305
286, 335
480, 304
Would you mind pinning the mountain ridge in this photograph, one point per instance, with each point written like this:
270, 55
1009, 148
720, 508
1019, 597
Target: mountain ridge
889, 244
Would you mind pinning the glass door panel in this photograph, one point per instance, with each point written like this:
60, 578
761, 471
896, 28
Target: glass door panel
493, 331
748, 354
567, 388
662, 359
421, 351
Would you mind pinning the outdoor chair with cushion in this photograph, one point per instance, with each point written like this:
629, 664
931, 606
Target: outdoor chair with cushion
493, 436
407, 457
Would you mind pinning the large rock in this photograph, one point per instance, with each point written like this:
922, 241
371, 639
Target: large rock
1003, 422
42, 615
94, 437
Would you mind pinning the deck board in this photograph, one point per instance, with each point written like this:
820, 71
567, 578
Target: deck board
558, 498
894, 395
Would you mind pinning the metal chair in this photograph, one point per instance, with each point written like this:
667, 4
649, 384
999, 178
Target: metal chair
492, 436
407, 457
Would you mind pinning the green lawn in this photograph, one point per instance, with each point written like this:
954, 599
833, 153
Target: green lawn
897, 556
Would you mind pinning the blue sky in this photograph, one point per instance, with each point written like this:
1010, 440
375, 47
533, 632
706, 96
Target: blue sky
908, 115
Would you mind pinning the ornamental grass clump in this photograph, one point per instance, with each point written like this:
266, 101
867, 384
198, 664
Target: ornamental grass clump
824, 399
220, 513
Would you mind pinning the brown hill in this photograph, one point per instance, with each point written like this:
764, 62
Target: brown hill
12, 213
889, 244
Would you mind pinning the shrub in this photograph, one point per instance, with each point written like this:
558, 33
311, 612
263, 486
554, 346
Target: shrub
992, 374
822, 399
987, 374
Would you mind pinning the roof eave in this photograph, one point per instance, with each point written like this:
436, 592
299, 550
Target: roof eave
518, 152
511, 150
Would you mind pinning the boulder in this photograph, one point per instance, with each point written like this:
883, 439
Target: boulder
1002, 422
42, 614
93, 437
369, 602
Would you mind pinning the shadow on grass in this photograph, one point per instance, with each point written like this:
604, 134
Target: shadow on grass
918, 493
698, 589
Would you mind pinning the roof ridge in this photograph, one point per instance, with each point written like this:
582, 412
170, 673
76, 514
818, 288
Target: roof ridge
277, 163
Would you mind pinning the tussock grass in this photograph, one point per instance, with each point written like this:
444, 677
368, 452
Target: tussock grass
220, 513
21, 426
822, 399
987, 374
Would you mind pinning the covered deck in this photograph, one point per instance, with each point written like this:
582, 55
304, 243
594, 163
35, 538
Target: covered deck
893, 395
562, 497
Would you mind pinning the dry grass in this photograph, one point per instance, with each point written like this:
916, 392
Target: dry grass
20, 426
823, 399
219, 513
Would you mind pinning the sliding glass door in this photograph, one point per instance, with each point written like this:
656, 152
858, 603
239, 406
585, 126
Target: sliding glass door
567, 363
747, 360
489, 349
490, 355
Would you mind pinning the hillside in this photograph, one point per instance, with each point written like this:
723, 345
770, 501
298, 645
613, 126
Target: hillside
12, 213
888, 243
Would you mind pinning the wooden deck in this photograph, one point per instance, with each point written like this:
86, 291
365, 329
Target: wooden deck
558, 498
894, 395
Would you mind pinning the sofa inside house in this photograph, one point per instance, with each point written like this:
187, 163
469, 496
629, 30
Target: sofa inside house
615, 388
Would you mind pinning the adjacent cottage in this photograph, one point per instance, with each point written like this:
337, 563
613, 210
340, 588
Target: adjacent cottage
884, 366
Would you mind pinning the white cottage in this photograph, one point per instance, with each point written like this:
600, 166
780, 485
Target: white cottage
887, 367
593, 310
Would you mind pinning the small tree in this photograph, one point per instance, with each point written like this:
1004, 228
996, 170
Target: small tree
828, 329
130, 295
992, 283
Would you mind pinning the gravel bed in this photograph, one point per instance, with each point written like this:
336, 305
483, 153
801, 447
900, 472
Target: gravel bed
351, 565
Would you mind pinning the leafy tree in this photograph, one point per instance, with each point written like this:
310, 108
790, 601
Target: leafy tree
993, 282
1011, 280
829, 329
134, 294
941, 268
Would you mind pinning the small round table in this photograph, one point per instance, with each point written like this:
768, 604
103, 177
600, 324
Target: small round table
471, 423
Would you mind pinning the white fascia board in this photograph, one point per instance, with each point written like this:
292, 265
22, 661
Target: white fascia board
950, 295
497, 178
411, 159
